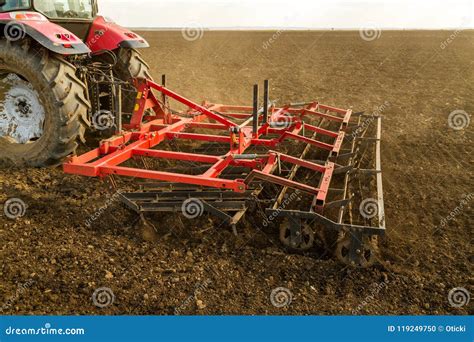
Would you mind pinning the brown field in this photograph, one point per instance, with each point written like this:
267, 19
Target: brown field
51, 261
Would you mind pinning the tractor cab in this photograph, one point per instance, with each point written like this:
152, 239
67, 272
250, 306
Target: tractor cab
75, 16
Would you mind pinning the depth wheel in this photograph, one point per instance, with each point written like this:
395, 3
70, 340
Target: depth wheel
367, 255
302, 240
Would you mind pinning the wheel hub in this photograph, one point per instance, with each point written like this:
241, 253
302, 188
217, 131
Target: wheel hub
21, 113
23, 107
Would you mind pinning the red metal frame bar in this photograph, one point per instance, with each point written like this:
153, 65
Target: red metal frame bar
146, 131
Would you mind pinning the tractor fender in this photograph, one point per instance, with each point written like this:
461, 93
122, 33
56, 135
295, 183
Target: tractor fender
15, 26
105, 34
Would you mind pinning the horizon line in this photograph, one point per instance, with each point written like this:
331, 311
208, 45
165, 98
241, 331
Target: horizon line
243, 28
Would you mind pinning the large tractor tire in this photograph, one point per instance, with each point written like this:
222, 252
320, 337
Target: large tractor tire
43, 108
130, 65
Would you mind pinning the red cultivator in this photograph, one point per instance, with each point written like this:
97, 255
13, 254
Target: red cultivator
299, 162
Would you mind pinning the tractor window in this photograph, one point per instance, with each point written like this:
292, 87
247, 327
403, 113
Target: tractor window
65, 9
13, 5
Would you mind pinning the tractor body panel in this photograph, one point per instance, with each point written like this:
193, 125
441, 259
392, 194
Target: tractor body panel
79, 27
105, 34
68, 27
50, 35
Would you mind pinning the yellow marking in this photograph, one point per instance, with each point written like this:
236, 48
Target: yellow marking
137, 107
139, 95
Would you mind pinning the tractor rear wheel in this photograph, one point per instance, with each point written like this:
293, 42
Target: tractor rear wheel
130, 65
43, 109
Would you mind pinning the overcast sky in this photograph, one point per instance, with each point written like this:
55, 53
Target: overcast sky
428, 14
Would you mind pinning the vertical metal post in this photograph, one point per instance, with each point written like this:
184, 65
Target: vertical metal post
255, 109
163, 83
118, 108
116, 102
164, 98
266, 100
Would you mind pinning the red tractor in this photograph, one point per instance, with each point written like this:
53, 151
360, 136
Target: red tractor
61, 67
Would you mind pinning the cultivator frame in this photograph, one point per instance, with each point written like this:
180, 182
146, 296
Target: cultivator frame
243, 129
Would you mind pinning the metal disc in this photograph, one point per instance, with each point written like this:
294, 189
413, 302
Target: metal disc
367, 254
302, 242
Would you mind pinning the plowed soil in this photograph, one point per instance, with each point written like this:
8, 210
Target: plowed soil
55, 257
